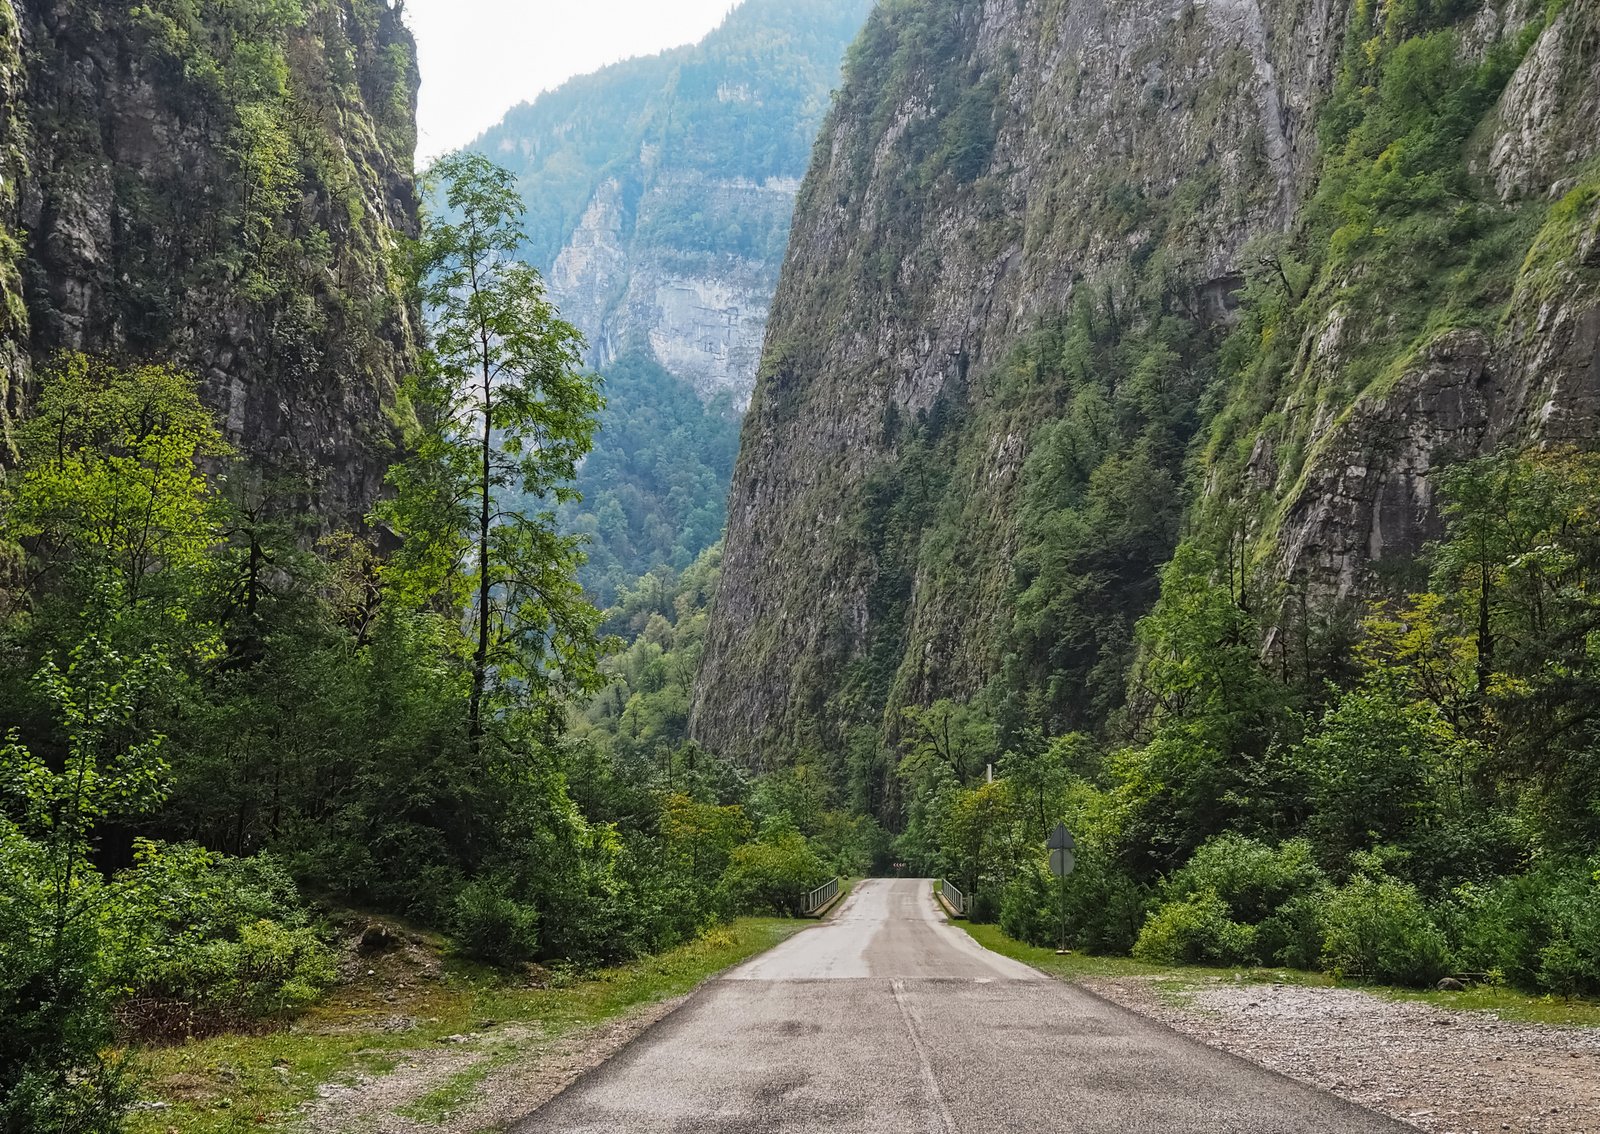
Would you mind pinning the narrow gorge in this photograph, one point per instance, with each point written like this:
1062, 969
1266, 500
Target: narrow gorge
660, 192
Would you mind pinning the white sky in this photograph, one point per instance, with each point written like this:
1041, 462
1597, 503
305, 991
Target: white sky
479, 58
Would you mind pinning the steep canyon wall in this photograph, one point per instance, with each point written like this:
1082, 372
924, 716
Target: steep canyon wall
1072, 280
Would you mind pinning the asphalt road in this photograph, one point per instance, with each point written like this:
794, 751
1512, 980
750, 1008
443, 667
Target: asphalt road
886, 1018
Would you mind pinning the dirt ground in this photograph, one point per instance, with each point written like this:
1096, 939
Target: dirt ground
1451, 1072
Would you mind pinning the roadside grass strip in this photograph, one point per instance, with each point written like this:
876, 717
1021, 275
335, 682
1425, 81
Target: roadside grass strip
1174, 983
367, 1029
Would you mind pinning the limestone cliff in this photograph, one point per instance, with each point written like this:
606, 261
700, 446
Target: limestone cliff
222, 185
661, 189
1056, 259
698, 312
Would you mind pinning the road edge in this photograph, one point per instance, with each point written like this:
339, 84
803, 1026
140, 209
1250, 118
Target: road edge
676, 1005
1161, 1025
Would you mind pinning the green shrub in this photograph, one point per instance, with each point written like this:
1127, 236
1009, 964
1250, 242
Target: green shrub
201, 939
1540, 931
54, 1074
1030, 907
1251, 877
1292, 936
1105, 907
985, 908
1379, 929
1195, 929
771, 876
493, 926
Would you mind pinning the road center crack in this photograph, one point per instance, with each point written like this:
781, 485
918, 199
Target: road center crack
930, 1081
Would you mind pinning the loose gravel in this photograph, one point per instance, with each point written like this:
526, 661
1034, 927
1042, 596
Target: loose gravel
1438, 1070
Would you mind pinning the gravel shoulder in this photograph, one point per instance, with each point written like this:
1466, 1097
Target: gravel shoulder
1453, 1072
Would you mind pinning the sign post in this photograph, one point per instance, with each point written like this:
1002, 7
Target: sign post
1060, 844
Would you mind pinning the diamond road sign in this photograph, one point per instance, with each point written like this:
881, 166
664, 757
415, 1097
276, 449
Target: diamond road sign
1060, 838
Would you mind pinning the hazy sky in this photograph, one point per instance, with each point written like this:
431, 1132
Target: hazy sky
481, 57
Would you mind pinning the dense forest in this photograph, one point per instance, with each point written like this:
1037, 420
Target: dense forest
652, 491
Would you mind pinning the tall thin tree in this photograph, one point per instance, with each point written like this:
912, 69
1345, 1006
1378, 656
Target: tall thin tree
506, 412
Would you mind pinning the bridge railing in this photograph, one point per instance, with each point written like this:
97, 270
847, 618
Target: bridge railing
957, 900
821, 896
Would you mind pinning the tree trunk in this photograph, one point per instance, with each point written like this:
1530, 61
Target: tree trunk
480, 659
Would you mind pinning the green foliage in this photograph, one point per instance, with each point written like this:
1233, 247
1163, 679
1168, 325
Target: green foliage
1105, 905
505, 412
1538, 931
772, 876
1374, 771
1383, 831
204, 941
1378, 929
1251, 878
54, 1000
654, 487
109, 496
55, 995
493, 926
1193, 929
1273, 892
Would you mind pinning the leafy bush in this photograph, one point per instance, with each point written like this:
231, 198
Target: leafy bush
492, 926
200, 939
985, 907
1373, 767
54, 1001
1030, 908
1378, 928
1292, 936
771, 876
1540, 931
1251, 877
55, 995
1105, 907
1195, 929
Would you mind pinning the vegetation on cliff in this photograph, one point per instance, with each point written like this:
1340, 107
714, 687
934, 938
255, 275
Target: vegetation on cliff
744, 104
223, 186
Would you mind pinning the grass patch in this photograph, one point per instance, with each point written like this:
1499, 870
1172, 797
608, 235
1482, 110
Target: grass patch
441, 1104
1174, 983
1506, 1003
1083, 966
233, 1083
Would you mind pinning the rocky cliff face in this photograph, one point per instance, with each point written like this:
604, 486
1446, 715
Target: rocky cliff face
222, 187
699, 313
1523, 368
661, 189
1142, 238
13, 167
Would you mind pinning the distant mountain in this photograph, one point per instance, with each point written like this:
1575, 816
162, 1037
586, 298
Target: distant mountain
659, 193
